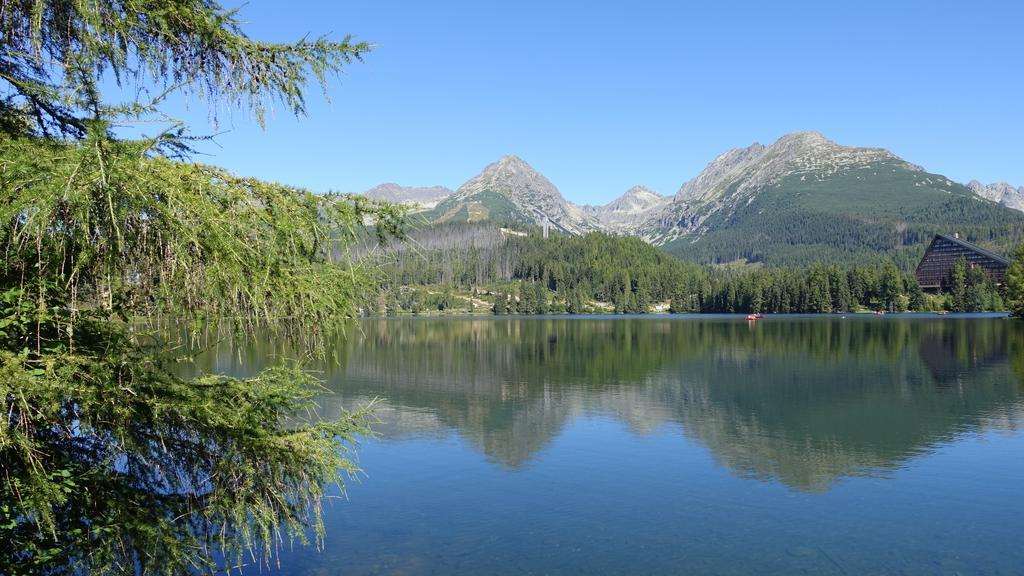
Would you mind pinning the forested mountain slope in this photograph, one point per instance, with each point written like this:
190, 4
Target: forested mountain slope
806, 199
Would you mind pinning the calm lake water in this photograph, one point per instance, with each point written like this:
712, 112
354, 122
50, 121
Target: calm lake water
678, 445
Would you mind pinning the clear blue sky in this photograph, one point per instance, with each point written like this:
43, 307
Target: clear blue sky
602, 96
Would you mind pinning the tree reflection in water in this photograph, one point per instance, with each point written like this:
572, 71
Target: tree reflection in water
803, 401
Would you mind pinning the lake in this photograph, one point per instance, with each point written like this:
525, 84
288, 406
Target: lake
669, 445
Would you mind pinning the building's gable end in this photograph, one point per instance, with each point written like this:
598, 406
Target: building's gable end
939, 260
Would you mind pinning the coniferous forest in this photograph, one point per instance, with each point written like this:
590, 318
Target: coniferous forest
478, 268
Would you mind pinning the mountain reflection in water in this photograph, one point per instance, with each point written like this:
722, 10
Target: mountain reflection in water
804, 401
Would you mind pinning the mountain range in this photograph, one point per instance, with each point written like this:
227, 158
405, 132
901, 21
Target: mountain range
799, 199
1000, 192
421, 197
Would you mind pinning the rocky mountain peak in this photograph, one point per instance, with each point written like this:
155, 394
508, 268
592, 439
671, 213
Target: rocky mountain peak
735, 179
640, 192
805, 138
533, 197
627, 212
636, 199
1000, 192
511, 176
514, 162
510, 166
723, 168
423, 197
813, 150
807, 154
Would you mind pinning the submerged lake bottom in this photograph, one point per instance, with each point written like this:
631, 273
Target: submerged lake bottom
676, 445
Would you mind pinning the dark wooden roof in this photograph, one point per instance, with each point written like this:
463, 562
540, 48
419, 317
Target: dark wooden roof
975, 248
936, 266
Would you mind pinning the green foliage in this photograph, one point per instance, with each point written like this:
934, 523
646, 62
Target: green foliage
891, 288
972, 289
959, 285
55, 54
527, 299
818, 288
1015, 283
578, 268
97, 238
111, 461
632, 276
574, 303
500, 304
540, 298
153, 237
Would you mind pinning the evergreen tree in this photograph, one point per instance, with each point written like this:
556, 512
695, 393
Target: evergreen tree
891, 286
959, 286
858, 282
500, 307
730, 297
842, 299
678, 302
540, 298
527, 299
757, 296
916, 297
1015, 283
641, 303
819, 295
574, 302
110, 460
976, 293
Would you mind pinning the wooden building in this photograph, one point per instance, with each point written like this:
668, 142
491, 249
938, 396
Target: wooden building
935, 271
